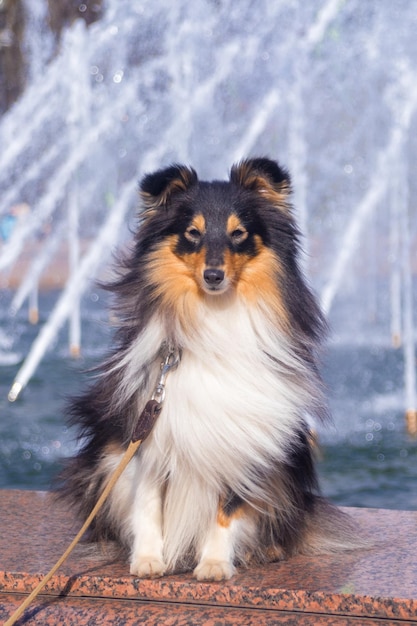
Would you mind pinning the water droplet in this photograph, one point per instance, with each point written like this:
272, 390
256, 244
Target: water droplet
118, 77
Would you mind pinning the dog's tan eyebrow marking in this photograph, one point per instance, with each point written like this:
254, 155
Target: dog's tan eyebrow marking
234, 224
196, 228
199, 223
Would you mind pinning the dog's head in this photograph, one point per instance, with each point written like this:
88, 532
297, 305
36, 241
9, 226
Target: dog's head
213, 238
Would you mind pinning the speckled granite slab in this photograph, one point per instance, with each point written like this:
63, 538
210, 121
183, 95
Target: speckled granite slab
376, 586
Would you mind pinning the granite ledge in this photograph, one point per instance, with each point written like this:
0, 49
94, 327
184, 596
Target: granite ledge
379, 584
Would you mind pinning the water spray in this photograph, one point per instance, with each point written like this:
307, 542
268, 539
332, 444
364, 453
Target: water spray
79, 280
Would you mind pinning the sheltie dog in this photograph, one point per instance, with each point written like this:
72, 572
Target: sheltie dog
226, 476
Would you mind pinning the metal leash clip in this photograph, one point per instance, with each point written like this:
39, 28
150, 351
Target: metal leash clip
171, 361
153, 406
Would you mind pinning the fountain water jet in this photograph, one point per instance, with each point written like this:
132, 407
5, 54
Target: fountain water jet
77, 126
257, 125
409, 347
395, 284
31, 278
377, 190
84, 273
55, 192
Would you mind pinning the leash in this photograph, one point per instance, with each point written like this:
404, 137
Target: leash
143, 428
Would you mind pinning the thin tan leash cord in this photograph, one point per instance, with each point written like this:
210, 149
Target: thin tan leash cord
143, 428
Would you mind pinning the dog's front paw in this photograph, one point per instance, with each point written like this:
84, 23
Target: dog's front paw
211, 569
147, 567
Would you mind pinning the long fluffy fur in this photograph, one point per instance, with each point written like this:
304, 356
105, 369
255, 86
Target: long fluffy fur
227, 474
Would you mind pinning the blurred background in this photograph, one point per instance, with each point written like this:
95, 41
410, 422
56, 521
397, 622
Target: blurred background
95, 94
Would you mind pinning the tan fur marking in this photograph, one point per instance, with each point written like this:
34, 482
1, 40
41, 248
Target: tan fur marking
195, 264
225, 520
234, 265
113, 448
257, 281
234, 224
175, 279
181, 183
103, 470
277, 194
198, 223
168, 272
275, 553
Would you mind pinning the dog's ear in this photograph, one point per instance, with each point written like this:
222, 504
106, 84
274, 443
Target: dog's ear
156, 189
265, 177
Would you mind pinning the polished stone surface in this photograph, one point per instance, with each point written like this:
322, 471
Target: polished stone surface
373, 586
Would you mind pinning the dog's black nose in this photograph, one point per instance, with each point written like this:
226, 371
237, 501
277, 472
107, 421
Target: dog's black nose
213, 277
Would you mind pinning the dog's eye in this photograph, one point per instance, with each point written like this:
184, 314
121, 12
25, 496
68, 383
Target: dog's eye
193, 234
238, 235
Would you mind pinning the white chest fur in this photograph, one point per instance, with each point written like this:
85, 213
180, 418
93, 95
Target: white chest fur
234, 400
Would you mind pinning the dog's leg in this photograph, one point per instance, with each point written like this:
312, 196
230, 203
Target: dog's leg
218, 550
147, 554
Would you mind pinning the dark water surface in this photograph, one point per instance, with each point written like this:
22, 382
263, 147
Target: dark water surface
365, 459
